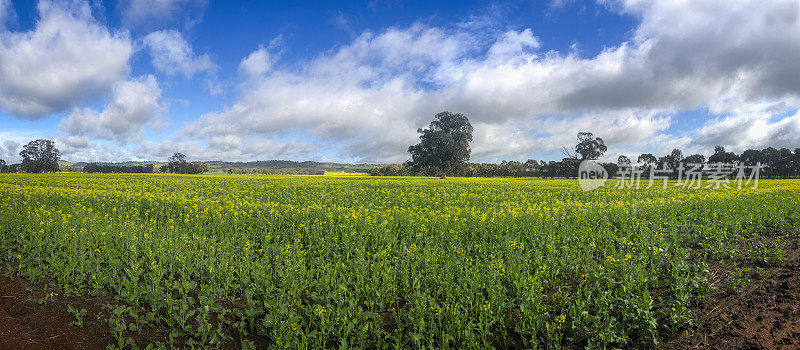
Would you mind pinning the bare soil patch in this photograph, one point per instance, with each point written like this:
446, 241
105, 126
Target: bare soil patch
764, 314
25, 323
36, 316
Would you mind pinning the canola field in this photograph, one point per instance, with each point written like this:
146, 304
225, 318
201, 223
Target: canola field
355, 261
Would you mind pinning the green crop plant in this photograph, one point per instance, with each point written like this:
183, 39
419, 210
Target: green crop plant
304, 261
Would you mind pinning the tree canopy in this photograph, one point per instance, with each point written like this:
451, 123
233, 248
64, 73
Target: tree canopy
720, 156
444, 145
647, 158
177, 158
178, 164
590, 147
695, 159
40, 156
109, 168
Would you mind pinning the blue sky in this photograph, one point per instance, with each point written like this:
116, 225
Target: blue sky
352, 81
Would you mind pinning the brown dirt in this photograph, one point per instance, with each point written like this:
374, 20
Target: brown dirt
26, 324
762, 315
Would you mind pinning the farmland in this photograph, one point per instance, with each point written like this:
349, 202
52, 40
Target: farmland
327, 261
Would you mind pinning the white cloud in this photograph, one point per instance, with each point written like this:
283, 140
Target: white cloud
76, 148
134, 105
231, 148
9, 150
172, 55
66, 59
513, 45
366, 99
74, 142
514, 139
371, 95
756, 130
11, 142
83, 149
337, 97
257, 63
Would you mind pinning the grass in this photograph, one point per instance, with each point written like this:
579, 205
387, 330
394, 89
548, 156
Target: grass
326, 261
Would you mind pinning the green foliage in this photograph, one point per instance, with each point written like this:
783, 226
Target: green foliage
114, 169
767, 254
79, 315
443, 146
283, 171
40, 156
739, 279
302, 262
590, 147
178, 165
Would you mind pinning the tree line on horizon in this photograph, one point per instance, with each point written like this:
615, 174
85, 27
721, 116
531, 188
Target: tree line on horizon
42, 156
269, 171
444, 151
92, 168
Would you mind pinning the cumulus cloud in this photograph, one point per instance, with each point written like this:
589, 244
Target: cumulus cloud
514, 139
257, 63
681, 58
172, 55
134, 105
371, 95
756, 130
9, 150
231, 148
11, 142
337, 97
365, 99
511, 46
67, 58
74, 149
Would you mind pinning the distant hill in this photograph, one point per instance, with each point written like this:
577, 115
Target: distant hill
128, 163
218, 165
289, 164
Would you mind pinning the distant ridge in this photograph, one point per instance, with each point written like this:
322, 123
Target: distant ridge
286, 164
128, 163
259, 164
